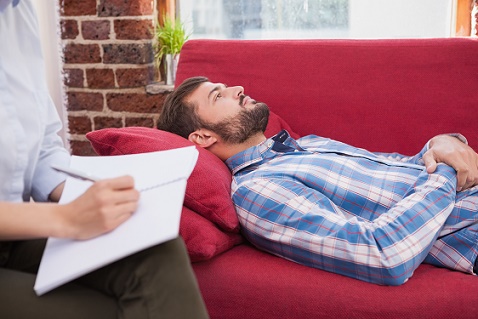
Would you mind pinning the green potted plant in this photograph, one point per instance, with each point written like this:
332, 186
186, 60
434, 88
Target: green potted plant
169, 39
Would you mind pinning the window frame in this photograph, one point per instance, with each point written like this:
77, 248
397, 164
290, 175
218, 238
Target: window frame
166, 8
463, 17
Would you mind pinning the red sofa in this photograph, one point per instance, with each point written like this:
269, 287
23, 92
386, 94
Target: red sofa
382, 95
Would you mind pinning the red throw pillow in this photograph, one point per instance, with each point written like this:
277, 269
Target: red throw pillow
203, 239
277, 124
208, 191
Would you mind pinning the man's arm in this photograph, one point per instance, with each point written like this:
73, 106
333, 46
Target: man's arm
453, 152
448, 149
299, 223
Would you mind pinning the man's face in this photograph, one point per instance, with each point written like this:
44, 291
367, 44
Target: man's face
228, 112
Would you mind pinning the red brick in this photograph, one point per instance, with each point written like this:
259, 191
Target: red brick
121, 8
78, 101
134, 102
77, 7
82, 53
69, 29
73, 78
131, 53
95, 30
133, 29
79, 124
82, 148
106, 122
134, 77
139, 121
100, 78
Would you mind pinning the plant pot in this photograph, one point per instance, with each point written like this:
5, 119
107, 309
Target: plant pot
170, 67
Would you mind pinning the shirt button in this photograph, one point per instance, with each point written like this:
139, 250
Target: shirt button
270, 144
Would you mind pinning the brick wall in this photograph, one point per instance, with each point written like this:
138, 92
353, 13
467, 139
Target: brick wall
108, 61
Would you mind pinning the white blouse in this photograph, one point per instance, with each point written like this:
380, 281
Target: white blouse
29, 122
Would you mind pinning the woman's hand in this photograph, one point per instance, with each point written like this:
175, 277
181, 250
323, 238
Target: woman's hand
102, 208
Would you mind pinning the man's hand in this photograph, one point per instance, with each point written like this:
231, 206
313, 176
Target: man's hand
451, 151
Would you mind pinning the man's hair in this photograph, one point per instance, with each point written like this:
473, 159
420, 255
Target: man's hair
178, 116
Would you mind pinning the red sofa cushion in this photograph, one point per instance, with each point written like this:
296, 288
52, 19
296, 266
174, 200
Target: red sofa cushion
247, 283
382, 95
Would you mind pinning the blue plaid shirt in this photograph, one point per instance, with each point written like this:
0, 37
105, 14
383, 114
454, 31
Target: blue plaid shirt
370, 216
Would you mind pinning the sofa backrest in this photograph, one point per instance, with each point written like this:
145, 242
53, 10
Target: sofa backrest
383, 95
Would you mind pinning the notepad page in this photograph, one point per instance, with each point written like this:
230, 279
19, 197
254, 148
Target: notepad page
155, 221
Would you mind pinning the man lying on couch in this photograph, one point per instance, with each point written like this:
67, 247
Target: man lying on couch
328, 205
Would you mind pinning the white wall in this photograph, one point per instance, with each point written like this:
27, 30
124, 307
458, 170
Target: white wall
48, 18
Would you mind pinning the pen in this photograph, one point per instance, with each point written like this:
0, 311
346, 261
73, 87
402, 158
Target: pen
75, 173
87, 177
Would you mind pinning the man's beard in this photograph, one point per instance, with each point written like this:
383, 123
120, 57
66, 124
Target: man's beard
239, 128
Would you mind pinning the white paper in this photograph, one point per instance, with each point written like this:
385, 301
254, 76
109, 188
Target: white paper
155, 221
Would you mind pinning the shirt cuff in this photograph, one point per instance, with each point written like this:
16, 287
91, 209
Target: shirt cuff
47, 179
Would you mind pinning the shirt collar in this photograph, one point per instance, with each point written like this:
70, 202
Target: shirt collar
279, 143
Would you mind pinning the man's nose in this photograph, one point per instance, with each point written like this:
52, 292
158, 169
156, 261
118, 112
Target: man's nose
237, 91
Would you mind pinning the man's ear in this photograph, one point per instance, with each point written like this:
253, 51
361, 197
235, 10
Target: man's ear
202, 138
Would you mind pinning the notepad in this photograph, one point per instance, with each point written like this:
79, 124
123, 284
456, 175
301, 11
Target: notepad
161, 177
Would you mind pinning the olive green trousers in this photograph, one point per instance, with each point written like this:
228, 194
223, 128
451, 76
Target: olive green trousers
155, 283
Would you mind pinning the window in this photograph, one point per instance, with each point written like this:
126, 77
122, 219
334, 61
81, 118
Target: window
272, 19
